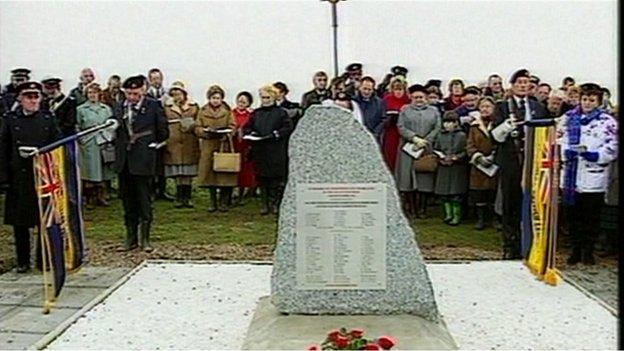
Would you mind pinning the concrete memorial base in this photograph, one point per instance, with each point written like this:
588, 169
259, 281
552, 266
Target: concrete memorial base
271, 330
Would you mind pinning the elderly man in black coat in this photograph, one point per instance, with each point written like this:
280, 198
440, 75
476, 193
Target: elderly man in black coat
26, 125
142, 131
509, 134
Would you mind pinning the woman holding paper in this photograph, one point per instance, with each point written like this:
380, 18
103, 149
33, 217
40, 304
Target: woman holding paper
95, 158
182, 154
418, 124
215, 126
480, 148
268, 130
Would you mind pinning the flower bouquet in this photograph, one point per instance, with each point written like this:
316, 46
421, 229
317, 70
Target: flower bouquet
341, 339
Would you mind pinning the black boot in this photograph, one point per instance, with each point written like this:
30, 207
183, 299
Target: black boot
480, 218
131, 237
188, 191
213, 199
179, 201
264, 194
422, 206
145, 236
223, 199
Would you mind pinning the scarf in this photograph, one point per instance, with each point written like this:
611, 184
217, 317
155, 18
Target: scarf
576, 120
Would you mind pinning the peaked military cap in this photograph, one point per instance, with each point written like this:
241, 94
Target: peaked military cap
354, 67
51, 80
133, 82
534, 79
519, 74
20, 72
399, 71
29, 87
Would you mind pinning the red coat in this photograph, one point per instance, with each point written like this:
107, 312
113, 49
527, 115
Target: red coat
247, 174
390, 137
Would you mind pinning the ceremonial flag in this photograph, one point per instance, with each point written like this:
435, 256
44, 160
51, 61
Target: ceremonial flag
540, 203
57, 180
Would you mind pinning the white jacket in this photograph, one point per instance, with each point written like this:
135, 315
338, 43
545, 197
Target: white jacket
599, 135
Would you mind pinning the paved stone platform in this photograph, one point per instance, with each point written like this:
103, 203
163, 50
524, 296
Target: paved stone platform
485, 305
22, 323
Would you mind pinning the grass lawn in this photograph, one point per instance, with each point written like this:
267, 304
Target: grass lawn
241, 233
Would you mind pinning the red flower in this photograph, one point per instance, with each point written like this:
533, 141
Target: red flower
372, 346
332, 335
314, 347
357, 333
342, 341
386, 342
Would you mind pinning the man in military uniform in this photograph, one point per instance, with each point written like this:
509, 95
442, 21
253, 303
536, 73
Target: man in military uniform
354, 74
319, 93
142, 130
78, 93
509, 134
62, 106
26, 125
8, 96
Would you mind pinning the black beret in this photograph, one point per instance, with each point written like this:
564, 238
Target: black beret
518, 74
399, 71
20, 72
29, 87
417, 87
51, 80
354, 67
433, 83
472, 90
133, 82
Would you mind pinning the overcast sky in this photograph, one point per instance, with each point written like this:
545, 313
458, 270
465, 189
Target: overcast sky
242, 45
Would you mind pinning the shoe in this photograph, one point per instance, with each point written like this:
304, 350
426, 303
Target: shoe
23, 269
448, 212
166, 197
575, 257
131, 239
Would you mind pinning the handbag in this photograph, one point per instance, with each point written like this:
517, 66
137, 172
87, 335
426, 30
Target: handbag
427, 163
108, 153
228, 162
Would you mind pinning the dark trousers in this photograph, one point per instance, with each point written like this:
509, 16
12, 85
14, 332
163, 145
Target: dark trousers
584, 220
274, 187
21, 234
512, 216
136, 198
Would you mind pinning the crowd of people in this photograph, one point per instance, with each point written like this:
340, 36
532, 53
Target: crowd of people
465, 149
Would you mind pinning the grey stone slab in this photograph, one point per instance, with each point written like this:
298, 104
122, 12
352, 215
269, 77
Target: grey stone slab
73, 297
268, 328
33, 277
5, 310
17, 341
32, 320
330, 146
15, 294
102, 277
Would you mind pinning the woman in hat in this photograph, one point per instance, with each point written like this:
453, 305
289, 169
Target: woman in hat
272, 126
418, 124
480, 148
214, 119
182, 154
97, 151
393, 102
452, 173
456, 92
247, 176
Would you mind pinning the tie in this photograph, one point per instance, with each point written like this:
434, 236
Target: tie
521, 110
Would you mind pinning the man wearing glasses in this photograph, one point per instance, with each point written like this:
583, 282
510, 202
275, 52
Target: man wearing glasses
26, 125
78, 93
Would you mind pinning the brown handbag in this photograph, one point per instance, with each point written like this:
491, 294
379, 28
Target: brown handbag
427, 163
227, 162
